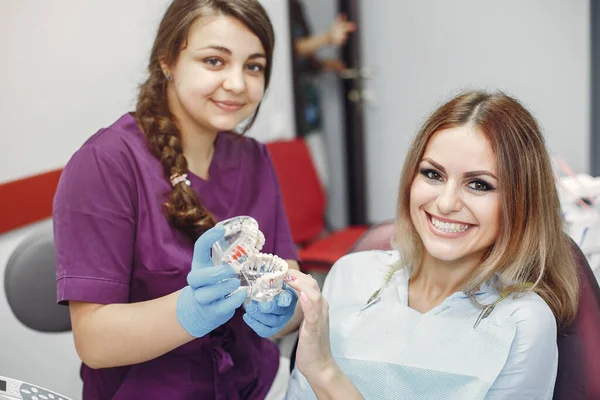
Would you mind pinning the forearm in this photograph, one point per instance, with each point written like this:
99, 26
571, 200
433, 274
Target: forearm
124, 334
334, 385
310, 45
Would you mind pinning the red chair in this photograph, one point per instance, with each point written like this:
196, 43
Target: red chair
578, 345
305, 201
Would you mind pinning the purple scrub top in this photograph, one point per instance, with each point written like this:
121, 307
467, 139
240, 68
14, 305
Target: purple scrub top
115, 245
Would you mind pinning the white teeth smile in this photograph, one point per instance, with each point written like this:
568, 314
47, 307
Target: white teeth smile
448, 227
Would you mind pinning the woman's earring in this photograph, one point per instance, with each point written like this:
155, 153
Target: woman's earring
168, 76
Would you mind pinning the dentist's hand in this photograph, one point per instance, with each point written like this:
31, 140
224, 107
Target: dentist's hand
266, 319
202, 306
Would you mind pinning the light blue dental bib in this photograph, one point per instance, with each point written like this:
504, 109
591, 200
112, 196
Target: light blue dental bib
390, 351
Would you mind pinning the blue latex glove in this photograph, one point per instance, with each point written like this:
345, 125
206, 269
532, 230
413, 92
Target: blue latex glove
201, 306
266, 319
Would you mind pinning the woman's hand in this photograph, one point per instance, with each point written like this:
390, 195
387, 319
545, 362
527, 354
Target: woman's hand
339, 30
333, 65
313, 356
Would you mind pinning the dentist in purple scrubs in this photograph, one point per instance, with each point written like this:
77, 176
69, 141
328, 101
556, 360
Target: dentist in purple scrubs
134, 216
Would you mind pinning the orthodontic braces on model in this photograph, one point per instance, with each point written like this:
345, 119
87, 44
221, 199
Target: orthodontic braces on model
261, 275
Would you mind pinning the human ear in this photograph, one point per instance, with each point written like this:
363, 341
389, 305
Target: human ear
166, 69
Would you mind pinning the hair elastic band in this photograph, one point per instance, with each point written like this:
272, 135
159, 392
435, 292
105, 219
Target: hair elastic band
177, 179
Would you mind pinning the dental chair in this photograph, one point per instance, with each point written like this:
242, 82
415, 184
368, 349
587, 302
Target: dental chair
30, 287
30, 283
578, 346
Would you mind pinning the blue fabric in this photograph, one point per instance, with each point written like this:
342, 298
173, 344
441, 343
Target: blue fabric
266, 319
202, 306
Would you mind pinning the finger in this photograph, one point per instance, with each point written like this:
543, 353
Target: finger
266, 307
203, 245
311, 315
339, 66
270, 307
210, 275
317, 300
296, 274
302, 282
284, 299
261, 329
271, 320
230, 304
209, 294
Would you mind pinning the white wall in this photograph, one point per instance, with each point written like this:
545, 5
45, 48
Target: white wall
276, 119
425, 51
70, 67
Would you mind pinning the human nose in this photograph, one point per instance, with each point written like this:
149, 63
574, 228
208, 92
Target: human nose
234, 81
449, 199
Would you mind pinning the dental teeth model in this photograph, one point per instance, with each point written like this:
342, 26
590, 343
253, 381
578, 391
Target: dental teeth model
261, 275
242, 239
265, 274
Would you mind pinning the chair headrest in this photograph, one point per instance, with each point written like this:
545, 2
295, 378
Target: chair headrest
30, 283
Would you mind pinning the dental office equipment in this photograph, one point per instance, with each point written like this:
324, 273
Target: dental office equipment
11, 389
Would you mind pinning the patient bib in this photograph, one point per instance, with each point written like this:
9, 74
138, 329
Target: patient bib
391, 351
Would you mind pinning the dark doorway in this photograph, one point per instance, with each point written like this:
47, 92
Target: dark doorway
354, 117
350, 103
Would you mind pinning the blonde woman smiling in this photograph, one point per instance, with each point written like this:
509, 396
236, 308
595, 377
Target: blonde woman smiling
468, 304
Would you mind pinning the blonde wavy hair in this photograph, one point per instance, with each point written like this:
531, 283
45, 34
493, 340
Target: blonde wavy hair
531, 247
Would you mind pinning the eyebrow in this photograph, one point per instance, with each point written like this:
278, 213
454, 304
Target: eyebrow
470, 174
227, 51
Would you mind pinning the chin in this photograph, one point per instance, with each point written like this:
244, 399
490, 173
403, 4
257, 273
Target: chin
224, 127
228, 125
444, 253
